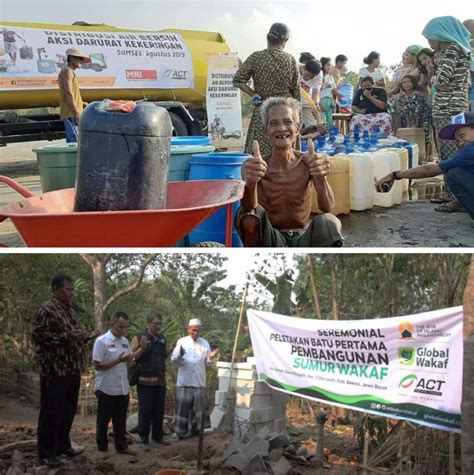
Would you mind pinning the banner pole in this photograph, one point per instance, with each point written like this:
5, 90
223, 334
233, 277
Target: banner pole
231, 393
365, 460
452, 470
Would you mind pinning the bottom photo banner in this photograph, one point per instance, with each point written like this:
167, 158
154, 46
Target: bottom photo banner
407, 367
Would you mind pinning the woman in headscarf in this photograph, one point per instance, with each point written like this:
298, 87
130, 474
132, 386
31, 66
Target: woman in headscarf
274, 74
451, 42
408, 67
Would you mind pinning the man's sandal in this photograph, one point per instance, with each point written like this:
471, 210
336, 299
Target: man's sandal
450, 207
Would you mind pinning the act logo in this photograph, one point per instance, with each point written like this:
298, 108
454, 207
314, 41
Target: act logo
408, 381
406, 330
174, 74
406, 355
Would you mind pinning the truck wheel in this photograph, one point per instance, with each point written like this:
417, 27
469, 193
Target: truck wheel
208, 244
179, 126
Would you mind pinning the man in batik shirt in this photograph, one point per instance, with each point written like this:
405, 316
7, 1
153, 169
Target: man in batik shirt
59, 341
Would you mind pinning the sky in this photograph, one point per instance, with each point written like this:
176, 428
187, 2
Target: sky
323, 28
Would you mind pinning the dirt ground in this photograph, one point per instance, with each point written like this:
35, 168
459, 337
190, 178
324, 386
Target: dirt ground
18, 423
411, 224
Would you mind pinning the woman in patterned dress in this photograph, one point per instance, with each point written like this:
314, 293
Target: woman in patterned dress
413, 111
274, 74
451, 42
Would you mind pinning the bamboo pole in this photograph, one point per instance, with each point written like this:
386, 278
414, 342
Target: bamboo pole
231, 393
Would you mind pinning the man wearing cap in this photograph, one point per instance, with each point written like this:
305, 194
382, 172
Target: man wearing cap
459, 169
70, 100
191, 354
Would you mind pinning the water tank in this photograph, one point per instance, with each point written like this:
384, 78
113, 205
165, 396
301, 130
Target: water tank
122, 158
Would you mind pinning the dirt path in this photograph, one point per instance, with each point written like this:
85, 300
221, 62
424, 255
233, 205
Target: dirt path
411, 224
18, 423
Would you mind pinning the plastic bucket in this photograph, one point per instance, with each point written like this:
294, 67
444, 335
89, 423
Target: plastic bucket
180, 159
57, 166
216, 166
191, 140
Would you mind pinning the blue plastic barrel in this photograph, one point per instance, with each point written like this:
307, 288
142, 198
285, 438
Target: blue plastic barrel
180, 159
216, 166
191, 140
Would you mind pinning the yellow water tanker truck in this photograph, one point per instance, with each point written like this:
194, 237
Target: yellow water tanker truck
167, 67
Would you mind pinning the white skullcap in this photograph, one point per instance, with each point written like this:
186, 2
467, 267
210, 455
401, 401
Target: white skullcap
194, 322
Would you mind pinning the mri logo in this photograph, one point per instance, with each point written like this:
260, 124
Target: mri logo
408, 381
406, 355
406, 330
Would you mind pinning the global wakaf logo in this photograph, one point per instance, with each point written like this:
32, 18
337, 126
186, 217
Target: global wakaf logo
406, 355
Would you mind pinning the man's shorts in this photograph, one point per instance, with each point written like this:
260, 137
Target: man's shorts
72, 129
10, 47
324, 230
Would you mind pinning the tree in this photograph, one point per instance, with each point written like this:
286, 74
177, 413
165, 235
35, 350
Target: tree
98, 264
467, 420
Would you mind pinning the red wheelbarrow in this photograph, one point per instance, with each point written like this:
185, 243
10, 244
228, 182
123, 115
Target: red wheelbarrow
48, 220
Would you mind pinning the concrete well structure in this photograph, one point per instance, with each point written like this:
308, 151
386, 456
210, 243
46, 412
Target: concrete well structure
257, 405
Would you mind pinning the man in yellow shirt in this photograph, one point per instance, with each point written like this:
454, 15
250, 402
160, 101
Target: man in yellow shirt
70, 101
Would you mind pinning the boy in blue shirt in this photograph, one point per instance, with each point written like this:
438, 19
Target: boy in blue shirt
459, 168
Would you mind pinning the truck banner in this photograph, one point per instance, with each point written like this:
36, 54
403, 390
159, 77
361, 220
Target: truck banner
222, 98
403, 367
31, 58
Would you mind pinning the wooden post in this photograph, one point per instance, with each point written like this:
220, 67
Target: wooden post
365, 459
231, 394
452, 470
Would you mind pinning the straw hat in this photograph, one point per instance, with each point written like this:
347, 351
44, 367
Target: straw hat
78, 54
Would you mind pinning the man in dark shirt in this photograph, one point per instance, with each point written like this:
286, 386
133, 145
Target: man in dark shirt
459, 169
151, 386
370, 99
59, 341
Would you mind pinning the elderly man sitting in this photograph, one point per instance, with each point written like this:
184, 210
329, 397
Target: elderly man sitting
276, 206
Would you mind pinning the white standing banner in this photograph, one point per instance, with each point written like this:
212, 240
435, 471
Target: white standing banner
126, 60
403, 367
222, 98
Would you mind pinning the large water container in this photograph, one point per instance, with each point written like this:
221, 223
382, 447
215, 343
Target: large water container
346, 89
216, 166
385, 162
414, 135
403, 155
361, 173
122, 158
180, 159
339, 181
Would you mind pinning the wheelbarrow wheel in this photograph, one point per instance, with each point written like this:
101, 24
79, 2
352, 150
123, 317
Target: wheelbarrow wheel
208, 244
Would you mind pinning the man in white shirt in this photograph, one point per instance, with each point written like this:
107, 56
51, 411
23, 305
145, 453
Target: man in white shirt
191, 354
112, 356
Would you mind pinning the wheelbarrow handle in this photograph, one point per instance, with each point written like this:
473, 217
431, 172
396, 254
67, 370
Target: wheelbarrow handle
16, 186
